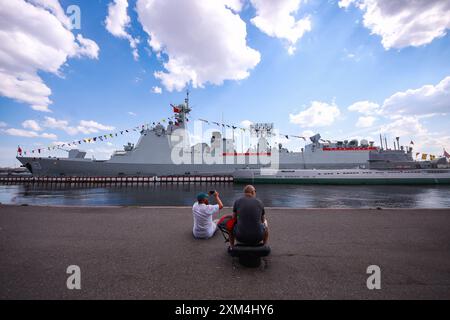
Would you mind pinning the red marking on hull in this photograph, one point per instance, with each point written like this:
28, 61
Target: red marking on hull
350, 149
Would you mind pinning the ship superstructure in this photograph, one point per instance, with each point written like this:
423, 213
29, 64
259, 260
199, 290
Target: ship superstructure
165, 150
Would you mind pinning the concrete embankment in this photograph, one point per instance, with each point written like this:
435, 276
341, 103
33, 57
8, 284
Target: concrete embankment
149, 253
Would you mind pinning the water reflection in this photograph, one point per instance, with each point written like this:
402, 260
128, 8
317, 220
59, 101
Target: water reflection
184, 194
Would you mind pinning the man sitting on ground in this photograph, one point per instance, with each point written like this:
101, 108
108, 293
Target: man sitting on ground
251, 226
204, 226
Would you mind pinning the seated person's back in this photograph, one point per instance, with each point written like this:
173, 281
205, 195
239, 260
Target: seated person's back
250, 216
204, 226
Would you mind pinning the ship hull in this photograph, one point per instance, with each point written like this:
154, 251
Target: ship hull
55, 167
346, 177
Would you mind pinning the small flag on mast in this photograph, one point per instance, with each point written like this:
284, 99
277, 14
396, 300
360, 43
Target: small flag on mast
176, 109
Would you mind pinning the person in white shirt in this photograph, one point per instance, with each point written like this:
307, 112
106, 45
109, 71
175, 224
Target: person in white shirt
202, 211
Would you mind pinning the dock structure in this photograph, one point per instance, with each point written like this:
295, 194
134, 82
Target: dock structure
116, 180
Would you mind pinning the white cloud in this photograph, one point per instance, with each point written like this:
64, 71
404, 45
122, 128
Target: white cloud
424, 101
53, 123
319, 114
93, 126
345, 3
410, 128
204, 42
365, 107
276, 19
235, 5
157, 90
35, 36
29, 134
405, 126
3, 124
42, 108
365, 122
246, 123
21, 133
428, 99
51, 136
85, 126
403, 23
131, 113
118, 21
31, 124
307, 133
87, 48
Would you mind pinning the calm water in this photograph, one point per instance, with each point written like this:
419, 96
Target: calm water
271, 195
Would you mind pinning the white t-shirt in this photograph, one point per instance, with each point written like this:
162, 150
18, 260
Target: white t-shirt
204, 227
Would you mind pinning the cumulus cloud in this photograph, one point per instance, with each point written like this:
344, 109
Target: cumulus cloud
51, 136
235, 5
410, 128
246, 123
403, 23
365, 122
424, 101
29, 134
403, 111
87, 47
277, 19
428, 99
319, 114
157, 90
31, 124
118, 21
84, 127
202, 42
345, 3
365, 107
93, 126
35, 36
307, 133
405, 126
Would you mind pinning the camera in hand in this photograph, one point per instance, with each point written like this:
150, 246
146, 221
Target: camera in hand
211, 192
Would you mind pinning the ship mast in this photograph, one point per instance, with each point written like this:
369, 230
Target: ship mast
186, 100
182, 111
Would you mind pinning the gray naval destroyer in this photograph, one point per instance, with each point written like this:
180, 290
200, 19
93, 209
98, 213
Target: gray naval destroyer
165, 151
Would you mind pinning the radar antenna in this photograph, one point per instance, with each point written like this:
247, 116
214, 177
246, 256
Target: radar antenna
262, 129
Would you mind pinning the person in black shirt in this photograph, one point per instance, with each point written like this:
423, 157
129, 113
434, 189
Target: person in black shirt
251, 225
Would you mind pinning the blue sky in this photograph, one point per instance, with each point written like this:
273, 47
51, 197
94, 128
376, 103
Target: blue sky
301, 66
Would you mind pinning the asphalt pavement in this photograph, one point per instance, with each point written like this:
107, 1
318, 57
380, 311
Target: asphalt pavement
149, 253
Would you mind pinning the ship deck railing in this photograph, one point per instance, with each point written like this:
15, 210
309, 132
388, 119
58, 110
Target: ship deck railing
116, 179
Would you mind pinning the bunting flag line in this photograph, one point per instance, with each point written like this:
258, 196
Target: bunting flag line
174, 120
